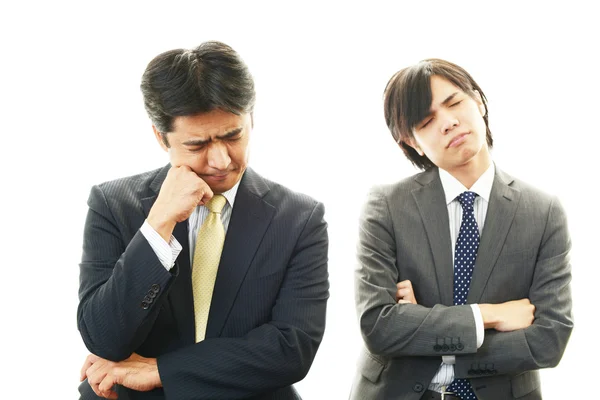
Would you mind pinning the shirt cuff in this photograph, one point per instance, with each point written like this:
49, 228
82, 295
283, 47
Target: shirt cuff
449, 360
478, 324
166, 252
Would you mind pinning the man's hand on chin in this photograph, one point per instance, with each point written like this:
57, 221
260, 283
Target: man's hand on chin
137, 373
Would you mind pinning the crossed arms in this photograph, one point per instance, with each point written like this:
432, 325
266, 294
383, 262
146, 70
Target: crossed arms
513, 342
115, 276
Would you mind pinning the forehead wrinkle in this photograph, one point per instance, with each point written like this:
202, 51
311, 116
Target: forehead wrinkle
229, 132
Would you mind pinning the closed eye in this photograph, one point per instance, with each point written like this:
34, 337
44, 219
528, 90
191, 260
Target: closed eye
196, 149
426, 123
455, 104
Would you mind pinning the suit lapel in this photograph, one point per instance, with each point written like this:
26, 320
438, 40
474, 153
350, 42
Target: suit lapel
180, 296
249, 221
432, 207
500, 214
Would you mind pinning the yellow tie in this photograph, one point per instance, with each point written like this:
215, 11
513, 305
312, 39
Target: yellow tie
207, 254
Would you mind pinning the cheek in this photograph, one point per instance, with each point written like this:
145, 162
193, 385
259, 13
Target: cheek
476, 119
429, 145
239, 154
195, 161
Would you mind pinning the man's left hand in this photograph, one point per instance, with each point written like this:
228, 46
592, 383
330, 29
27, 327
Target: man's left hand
137, 373
405, 293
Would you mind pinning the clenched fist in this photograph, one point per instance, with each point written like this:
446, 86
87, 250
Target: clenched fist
509, 316
179, 195
405, 293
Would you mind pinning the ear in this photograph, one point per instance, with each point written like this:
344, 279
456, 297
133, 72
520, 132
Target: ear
159, 139
480, 104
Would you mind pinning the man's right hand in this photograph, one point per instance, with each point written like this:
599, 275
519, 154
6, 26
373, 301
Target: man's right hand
509, 316
179, 195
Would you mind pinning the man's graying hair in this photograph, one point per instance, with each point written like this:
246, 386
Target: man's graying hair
189, 82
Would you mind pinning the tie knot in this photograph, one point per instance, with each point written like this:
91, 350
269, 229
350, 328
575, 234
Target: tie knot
217, 203
467, 199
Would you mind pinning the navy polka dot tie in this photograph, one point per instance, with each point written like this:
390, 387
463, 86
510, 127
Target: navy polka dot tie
465, 253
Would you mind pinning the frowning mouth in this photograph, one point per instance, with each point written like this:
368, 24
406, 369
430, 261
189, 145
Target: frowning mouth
458, 140
217, 177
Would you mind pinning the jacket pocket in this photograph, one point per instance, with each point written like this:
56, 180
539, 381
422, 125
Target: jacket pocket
525, 383
369, 366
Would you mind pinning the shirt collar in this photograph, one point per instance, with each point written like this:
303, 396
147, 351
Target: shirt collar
230, 194
453, 188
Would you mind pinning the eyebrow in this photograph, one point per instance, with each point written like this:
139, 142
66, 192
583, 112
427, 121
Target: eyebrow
199, 142
445, 102
449, 98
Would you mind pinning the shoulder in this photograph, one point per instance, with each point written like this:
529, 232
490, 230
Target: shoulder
130, 183
533, 201
403, 188
288, 204
127, 190
277, 194
286, 196
529, 193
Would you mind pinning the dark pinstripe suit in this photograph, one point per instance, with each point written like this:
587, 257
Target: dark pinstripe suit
267, 314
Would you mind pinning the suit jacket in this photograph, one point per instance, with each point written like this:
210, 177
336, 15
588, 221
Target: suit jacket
267, 313
523, 253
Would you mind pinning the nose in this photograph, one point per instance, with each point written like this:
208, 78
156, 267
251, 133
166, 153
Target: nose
218, 157
450, 122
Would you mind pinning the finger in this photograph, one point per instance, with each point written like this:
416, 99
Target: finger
94, 381
206, 196
93, 373
82, 373
404, 284
106, 387
89, 360
404, 293
402, 301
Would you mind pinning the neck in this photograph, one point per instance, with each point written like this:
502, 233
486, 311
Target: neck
470, 172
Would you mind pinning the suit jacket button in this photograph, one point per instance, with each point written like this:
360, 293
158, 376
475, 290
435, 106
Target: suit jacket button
445, 348
452, 347
145, 305
437, 347
418, 387
460, 347
151, 294
148, 299
155, 288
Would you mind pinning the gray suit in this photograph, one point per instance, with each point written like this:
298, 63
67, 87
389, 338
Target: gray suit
523, 253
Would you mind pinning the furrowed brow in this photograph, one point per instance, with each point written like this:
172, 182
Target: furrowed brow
449, 98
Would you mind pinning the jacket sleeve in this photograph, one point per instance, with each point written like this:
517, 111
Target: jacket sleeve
273, 355
395, 330
121, 285
542, 344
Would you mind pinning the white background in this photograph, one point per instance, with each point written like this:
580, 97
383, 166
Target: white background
72, 116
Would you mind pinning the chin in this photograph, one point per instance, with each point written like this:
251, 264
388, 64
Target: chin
221, 187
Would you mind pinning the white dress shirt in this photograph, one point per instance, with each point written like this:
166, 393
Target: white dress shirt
167, 252
452, 189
